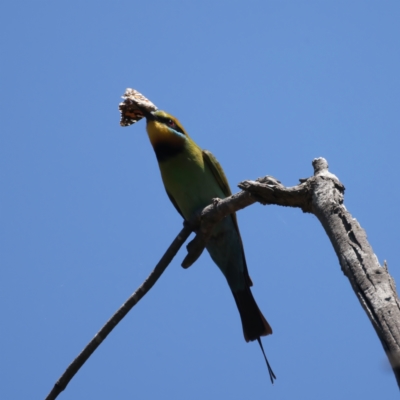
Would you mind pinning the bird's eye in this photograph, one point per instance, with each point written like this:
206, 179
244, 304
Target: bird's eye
171, 123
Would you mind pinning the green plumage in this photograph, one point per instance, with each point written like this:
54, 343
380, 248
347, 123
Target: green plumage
192, 178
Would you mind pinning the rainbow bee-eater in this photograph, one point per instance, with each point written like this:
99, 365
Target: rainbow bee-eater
193, 178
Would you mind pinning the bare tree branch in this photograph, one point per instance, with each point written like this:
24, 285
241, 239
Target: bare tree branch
74, 367
322, 195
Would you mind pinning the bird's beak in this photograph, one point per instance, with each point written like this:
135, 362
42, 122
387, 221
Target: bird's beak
149, 116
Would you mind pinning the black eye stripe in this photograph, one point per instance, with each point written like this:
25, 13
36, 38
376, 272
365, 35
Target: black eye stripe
166, 121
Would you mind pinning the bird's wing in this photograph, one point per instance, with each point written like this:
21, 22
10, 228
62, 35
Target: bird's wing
220, 177
217, 171
174, 203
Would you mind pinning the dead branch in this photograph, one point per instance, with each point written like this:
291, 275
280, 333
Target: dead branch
322, 195
74, 367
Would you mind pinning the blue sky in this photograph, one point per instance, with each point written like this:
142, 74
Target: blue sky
266, 86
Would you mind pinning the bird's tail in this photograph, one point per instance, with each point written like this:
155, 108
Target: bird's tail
253, 322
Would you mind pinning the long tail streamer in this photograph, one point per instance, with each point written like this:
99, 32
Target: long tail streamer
271, 373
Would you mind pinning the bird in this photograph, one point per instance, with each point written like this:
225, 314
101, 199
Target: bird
192, 178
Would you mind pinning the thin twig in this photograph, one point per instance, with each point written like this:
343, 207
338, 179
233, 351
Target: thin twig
74, 367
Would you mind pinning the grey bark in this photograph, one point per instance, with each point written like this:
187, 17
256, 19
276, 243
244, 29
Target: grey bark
322, 195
